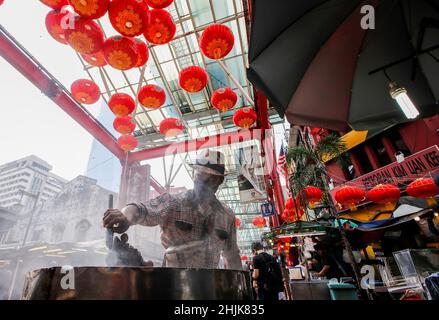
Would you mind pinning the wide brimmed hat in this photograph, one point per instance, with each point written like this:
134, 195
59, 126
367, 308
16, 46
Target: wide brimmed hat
211, 162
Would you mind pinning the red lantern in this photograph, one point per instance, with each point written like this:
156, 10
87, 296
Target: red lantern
55, 4
245, 117
350, 197
216, 41
384, 194
238, 223
171, 127
127, 142
92, 9
244, 258
224, 99
313, 195
151, 96
124, 125
423, 188
85, 91
293, 211
143, 53
159, 4
160, 28
128, 17
96, 59
121, 104
259, 222
53, 25
121, 52
86, 37
193, 79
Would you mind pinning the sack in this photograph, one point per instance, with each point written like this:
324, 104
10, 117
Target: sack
273, 275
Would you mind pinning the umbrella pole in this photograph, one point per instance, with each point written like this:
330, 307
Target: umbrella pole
240, 88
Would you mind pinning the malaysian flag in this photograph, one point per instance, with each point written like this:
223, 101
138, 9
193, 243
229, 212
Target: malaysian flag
282, 166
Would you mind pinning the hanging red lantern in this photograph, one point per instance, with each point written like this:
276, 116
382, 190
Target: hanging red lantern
86, 36
245, 117
127, 142
193, 79
159, 4
423, 188
313, 195
85, 91
238, 223
224, 99
384, 194
216, 41
96, 59
350, 197
55, 4
171, 127
53, 25
143, 53
151, 96
92, 9
160, 28
124, 125
121, 104
121, 52
293, 211
128, 17
259, 222
244, 258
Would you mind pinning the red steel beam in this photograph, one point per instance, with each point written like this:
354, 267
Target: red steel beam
194, 145
28, 66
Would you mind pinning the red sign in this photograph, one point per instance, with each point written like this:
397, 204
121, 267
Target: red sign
401, 174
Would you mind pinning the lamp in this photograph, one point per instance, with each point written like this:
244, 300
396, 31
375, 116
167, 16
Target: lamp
405, 103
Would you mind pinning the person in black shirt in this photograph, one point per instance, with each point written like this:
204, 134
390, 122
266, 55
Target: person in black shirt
328, 265
261, 262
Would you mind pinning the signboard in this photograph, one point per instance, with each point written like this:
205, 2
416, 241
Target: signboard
401, 174
267, 209
250, 174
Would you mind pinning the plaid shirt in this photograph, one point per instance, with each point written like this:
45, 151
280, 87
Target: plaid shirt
194, 234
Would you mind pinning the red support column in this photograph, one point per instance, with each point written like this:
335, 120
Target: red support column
390, 149
371, 155
357, 165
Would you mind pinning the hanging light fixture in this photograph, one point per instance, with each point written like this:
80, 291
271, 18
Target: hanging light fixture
160, 28
127, 142
86, 37
124, 125
171, 127
405, 103
85, 91
53, 25
121, 104
96, 59
92, 9
121, 52
193, 79
128, 17
224, 99
216, 41
245, 117
151, 96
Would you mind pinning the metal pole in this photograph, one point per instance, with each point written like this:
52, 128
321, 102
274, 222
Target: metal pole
37, 197
240, 88
14, 278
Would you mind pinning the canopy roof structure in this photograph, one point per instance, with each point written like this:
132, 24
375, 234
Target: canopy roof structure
165, 62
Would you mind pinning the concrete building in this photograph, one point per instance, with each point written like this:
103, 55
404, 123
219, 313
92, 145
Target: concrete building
27, 182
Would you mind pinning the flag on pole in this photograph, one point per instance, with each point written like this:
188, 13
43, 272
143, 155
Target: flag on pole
282, 166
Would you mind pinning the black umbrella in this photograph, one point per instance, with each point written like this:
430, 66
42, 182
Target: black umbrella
318, 66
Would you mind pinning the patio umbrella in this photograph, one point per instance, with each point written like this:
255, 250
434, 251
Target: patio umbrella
319, 66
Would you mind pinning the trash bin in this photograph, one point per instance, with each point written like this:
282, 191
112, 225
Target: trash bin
342, 291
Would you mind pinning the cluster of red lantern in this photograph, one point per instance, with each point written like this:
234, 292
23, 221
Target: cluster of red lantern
151, 96
224, 99
216, 41
259, 222
245, 117
193, 79
384, 194
350, 197
293, 211
160, 28
171, 127
85, 91
423, 188
85, 37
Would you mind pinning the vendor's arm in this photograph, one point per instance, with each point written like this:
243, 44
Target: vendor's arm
324, 271
231, 250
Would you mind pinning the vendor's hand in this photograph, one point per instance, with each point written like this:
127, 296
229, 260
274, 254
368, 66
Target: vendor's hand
255, 284
116, 221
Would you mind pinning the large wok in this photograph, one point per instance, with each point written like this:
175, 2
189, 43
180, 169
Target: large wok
137, 283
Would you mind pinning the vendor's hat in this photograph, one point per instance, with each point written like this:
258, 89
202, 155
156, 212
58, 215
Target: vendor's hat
211, 162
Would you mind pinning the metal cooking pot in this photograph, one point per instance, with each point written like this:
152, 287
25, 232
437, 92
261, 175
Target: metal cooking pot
137, 283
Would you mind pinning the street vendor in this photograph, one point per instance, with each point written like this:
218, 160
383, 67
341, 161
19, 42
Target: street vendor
196, 227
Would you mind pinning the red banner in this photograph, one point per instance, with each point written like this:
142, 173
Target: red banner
418, 165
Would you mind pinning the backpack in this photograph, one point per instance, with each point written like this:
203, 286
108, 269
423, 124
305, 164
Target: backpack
273, 274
